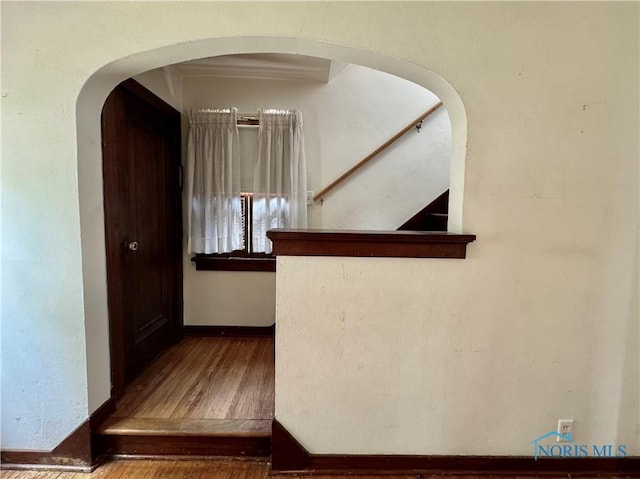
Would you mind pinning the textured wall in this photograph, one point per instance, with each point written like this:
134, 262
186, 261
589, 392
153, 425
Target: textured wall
541, 320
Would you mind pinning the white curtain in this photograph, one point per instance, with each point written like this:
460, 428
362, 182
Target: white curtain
280, 176
215, 214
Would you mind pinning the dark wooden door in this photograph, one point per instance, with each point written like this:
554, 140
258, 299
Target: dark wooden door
142, 202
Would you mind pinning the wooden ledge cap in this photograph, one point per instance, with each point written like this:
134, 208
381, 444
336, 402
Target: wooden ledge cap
384, 244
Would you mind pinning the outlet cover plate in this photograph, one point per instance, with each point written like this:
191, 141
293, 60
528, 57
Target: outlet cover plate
565, 429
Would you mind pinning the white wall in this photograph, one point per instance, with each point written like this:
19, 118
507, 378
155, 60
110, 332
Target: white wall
229, 298
541, 320
344, 120
165, 83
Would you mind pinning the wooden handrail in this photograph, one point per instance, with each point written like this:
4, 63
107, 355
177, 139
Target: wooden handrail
378, 150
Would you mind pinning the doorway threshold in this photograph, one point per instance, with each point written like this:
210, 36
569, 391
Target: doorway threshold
120, 436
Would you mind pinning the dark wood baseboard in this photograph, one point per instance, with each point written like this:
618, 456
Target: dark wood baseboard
230, 331
96, 420
101, 414
75, 453
39, 460
76, 448
289, 456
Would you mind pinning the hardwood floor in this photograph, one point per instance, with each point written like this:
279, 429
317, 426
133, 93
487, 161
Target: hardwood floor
205, 378
206, 396
204, 469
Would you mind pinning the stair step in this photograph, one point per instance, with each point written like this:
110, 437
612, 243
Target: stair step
432, 217
434, 222
185, 437
129, 426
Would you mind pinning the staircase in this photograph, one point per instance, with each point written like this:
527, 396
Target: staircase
433, 217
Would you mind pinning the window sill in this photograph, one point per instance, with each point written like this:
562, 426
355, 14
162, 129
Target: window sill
234, 263
382, 244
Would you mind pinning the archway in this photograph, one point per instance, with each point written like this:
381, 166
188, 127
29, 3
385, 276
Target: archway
88, 111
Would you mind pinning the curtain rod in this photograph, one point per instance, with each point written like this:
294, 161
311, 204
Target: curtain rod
247, 120
243, 120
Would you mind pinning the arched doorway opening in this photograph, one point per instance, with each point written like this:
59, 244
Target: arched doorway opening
88, 111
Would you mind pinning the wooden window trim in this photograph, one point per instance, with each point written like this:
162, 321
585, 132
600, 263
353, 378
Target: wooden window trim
228, 262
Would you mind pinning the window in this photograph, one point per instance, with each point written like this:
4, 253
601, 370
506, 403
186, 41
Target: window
226, 231
244, 259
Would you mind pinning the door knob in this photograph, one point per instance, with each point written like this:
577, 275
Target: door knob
133, 246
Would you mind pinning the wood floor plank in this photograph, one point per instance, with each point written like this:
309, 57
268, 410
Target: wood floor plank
138, 392
265, 399
206, 388
170, 392
229, 377
187, 353
220, 469
255, 391
205, 378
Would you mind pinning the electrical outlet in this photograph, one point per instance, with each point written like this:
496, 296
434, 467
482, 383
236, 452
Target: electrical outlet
309, 198
565, 429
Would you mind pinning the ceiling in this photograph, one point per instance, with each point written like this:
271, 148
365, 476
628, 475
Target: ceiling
263, 66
